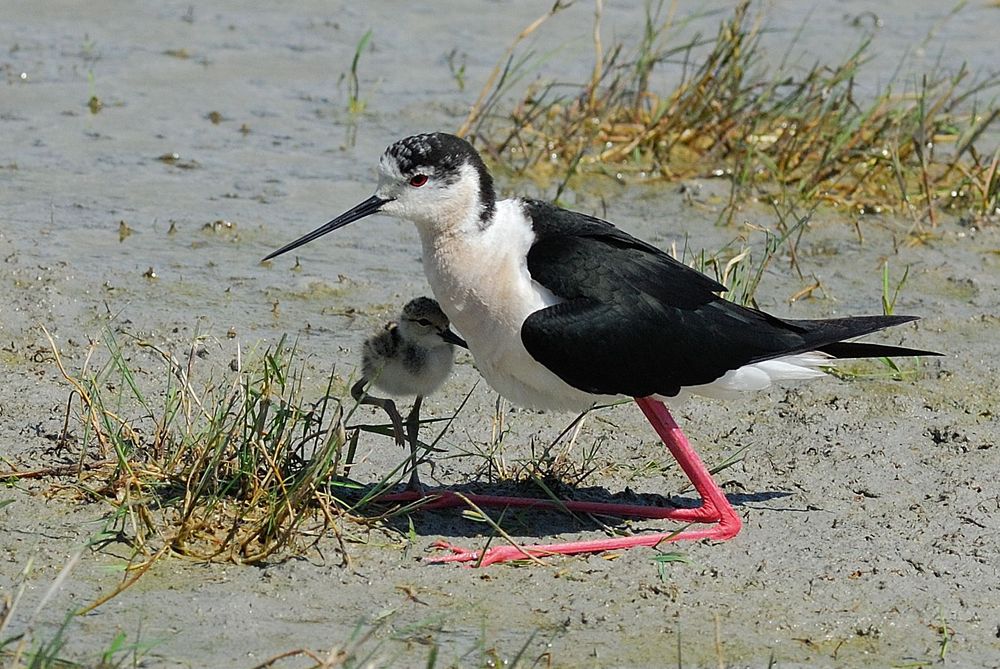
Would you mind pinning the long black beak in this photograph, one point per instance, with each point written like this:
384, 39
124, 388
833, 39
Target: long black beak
366, 208
452, 338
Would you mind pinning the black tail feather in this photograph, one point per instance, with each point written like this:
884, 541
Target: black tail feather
851, 349
851, 326
834, 331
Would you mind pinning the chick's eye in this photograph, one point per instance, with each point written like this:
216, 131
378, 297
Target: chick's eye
418, 180
424, 321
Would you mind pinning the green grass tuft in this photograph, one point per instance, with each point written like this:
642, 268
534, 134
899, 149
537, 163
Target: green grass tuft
773, 133
235, 465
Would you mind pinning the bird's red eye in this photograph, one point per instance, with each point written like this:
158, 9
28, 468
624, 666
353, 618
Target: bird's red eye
418, 180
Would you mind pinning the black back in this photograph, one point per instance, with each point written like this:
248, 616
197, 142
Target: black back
637, 322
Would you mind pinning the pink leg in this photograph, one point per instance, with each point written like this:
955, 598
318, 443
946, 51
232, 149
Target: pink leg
715, 508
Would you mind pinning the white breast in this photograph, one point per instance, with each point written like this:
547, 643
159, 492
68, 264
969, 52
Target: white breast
400, 380
480, 278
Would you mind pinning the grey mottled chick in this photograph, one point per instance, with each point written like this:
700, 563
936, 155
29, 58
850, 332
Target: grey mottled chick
411, 357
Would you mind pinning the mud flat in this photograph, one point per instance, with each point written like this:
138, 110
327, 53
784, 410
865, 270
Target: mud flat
871, 505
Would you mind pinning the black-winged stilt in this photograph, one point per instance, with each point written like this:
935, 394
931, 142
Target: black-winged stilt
561, 310
410, 357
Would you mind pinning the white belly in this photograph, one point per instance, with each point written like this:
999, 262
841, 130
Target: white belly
482, 283
399, 380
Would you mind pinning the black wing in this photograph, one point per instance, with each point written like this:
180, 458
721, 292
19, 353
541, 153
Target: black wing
637, 322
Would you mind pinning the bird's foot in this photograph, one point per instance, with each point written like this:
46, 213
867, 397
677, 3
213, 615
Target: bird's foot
725, 529
476, 557
458, 554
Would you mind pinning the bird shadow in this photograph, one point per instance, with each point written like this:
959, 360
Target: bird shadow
537, 521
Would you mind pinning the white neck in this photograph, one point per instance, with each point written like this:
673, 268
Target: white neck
480, 278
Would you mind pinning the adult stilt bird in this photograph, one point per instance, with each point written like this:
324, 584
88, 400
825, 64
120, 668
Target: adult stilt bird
561, 310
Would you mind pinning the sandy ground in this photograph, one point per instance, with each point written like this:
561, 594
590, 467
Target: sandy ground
871, 507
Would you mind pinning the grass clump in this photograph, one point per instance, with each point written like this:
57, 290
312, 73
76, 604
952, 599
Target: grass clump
774, 133
236, 466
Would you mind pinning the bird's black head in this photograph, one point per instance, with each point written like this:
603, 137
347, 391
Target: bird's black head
436, 180
441, 157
